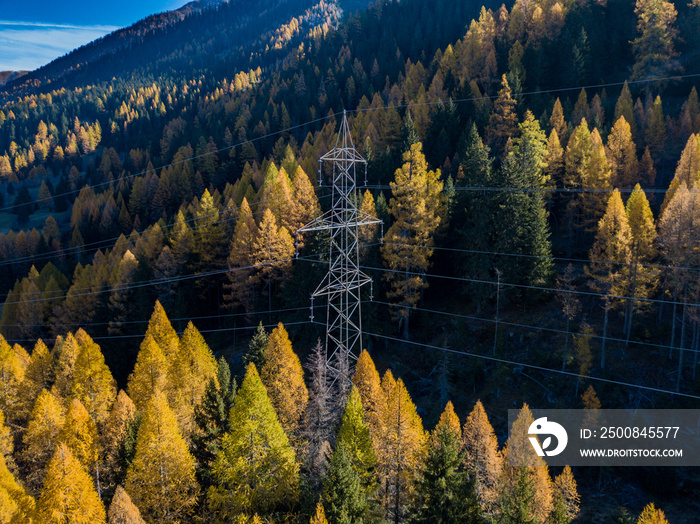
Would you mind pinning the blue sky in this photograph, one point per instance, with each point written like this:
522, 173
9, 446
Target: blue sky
34, 32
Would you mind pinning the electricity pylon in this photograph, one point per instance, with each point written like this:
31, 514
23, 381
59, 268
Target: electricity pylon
344, 279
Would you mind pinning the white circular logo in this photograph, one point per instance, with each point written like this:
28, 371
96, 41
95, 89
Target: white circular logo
542, 426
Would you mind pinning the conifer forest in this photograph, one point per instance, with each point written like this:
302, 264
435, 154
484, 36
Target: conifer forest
534, 167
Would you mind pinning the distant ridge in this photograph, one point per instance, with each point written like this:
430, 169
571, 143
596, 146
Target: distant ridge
9, 76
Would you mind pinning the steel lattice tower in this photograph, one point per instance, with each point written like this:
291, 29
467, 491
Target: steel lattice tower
342, 283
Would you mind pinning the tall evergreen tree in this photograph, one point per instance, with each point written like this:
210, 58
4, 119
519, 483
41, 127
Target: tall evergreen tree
524, 226
212, 422
344, 500
355, 437
474, 216
445, 490
257, 347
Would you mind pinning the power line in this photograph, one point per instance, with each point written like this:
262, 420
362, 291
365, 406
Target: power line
526, 93
117, 337
184, 160
533, 366
357, 110
526, 255
539, 328
127, 241
537, 288
181, 319
145, 283
531, 189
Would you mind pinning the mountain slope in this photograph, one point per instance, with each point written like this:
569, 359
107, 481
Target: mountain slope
231, 34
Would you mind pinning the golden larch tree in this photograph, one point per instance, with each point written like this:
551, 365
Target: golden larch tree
122, 510
524, 463
79, 433
557, 122
306, 206
504, 119
566, 498
45, 423
7, 443
622, 155
240, 285
149, 375
283, 377
481, 456
193, 367
92, 382
368, 234
15, 505
273, 250
319, 517
68, 494
161, 478
652, 515
11, 376
403, 450
162, 332
65, 353
36, 378
418, 208
687, 171
643, 275
366, 380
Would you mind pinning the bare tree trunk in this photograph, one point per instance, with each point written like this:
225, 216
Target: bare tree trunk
696, 337
498, 297
630, 304
566, 347
673, 317
681, 350
605, 331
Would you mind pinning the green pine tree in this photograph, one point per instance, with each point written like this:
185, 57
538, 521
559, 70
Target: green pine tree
344, 500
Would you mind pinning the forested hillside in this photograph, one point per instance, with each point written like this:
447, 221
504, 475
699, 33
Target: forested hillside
535, 168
